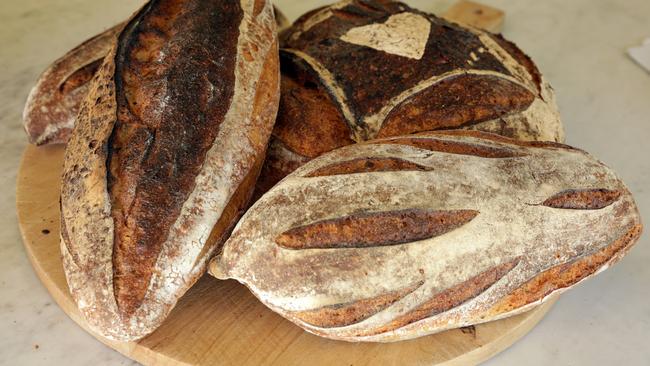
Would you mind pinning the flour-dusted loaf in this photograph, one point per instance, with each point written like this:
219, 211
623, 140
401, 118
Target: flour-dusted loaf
407, 236
364, 69
166, 151
53, 103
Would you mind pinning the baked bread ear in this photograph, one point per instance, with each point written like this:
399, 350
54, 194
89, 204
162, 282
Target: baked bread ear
406, 236
365, 69
53, 103
166, 151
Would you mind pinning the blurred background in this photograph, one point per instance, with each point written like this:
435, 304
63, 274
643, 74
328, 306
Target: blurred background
579, 45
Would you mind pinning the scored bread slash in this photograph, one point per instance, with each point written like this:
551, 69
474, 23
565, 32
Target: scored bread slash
164, 157
53, 103
402, 237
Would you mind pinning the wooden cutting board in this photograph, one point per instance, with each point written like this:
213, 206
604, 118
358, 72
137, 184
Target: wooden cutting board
220, 322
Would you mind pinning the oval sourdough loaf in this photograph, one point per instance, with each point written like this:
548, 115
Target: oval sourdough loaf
166, 151
359, 70
407, 236
53, 103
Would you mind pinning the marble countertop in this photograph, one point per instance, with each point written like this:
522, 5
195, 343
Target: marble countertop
579, 45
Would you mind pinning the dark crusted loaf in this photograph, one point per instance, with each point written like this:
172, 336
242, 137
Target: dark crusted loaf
166, 151
364, 69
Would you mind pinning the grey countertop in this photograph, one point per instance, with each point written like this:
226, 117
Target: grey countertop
580, 46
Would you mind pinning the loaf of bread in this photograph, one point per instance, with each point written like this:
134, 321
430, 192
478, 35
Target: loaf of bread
365, 69
166, 151
406, 236
53, 103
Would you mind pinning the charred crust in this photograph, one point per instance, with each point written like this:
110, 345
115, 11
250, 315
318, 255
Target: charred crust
386, 75
463, 100
366, 230
170, 76
317, 116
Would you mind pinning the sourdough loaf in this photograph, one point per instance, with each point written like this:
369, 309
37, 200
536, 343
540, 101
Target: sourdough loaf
53, 103
365, 69
166, 151
406, 236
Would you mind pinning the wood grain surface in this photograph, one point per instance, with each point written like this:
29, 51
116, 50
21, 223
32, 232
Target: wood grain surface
220, 322
476, 15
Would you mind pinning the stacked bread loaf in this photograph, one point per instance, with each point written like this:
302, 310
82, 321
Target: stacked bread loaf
415, 178
361, 70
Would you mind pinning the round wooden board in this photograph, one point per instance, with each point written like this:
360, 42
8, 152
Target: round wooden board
220, 322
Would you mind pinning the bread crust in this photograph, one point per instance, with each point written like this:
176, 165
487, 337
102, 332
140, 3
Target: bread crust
126, 292
53, 103
363, 69
437, 231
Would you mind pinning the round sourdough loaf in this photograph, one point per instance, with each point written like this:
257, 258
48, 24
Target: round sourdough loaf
165, 154
406, 236
359, 70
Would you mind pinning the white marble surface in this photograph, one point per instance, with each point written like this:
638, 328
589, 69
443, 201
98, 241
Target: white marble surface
579, 45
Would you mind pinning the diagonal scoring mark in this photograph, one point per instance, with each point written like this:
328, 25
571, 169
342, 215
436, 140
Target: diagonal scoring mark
367, 165
374, 229
80, 77
376, 120
583, 199
506, 140
455, 147
567, 274
340, 315
448, 299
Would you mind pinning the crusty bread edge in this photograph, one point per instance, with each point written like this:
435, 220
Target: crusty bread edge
88, 266
39, 120
485, 312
